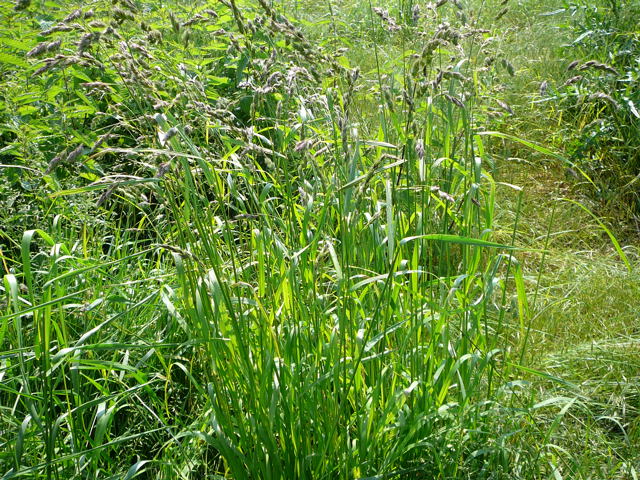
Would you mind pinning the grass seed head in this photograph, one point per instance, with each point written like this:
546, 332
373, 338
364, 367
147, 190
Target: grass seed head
572, 80
606, 68
163, 169
450, 74
86, 40
509, 67
75, 154
140, 49
587, 65
446, 196
49, 63
96, 85
197, 18
53, 163
603, 96
505, 106
105, 196
544, 86
455, 100
44, 47
168, 135
302, 145
415, 14
390, 24
121, 15
72, 16
61, 27
99, 141
420, 149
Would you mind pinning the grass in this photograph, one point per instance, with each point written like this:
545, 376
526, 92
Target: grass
234, 251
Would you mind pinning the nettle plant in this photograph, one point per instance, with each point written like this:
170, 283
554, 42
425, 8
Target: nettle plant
88, 85
601, 97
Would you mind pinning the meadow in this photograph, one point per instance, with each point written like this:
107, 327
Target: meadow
262, 239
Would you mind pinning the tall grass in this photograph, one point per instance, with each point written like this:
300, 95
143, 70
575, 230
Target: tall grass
250, 276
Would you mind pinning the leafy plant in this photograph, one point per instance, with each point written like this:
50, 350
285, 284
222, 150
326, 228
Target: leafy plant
601, 98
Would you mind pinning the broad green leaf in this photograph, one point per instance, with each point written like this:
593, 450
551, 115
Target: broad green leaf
8, 59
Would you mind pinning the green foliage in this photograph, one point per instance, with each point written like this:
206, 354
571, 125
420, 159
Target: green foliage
601, 99
87, 93
230, 253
